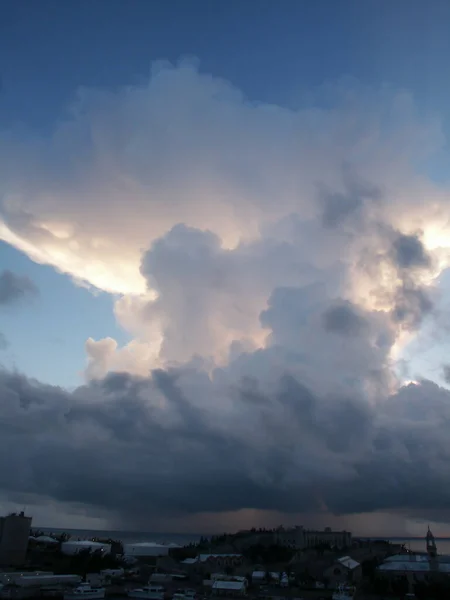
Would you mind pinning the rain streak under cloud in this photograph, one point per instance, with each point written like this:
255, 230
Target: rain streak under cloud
270, 266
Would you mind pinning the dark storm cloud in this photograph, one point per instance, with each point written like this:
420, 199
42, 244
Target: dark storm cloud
409, 252
343, 319
137, 445
15, 287
411, 300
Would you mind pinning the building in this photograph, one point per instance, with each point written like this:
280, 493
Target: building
344, 570
229, 588
334, 539
14, 534
300, 538
296, 537
419, 567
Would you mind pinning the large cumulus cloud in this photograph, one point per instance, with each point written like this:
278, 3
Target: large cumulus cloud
304, 424
270, 194
123, 167
269, 262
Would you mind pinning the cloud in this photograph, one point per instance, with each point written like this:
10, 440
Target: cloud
122, 168
3, 342
338, 207
343, 319
412, 305
412, 299
267, 263
131, 447
264, 432
410, 252
446, 373
14, 288
194, 203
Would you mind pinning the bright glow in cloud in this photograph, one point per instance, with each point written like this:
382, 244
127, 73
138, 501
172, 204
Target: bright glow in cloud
290, 198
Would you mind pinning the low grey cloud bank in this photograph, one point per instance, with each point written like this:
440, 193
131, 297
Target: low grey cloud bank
140, 447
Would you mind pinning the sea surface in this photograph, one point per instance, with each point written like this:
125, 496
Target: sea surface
129, 537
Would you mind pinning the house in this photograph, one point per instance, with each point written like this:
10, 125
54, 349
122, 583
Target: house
343, 570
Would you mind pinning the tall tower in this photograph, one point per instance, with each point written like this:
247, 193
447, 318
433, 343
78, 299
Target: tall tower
14, 534
431, 544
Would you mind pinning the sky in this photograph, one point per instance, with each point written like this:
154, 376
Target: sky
224, 264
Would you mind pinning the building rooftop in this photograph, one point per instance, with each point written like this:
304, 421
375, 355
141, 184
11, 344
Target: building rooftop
417, 557
189, 561
414, 566
348, 562
228, 585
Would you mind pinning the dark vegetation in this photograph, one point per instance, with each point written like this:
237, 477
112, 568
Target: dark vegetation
266, 555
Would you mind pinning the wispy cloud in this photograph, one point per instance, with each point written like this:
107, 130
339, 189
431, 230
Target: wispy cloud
14, 288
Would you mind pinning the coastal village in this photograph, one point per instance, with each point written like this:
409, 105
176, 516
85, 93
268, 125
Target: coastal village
261, 564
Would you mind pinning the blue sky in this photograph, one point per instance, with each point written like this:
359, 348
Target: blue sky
275, 52
46, 336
